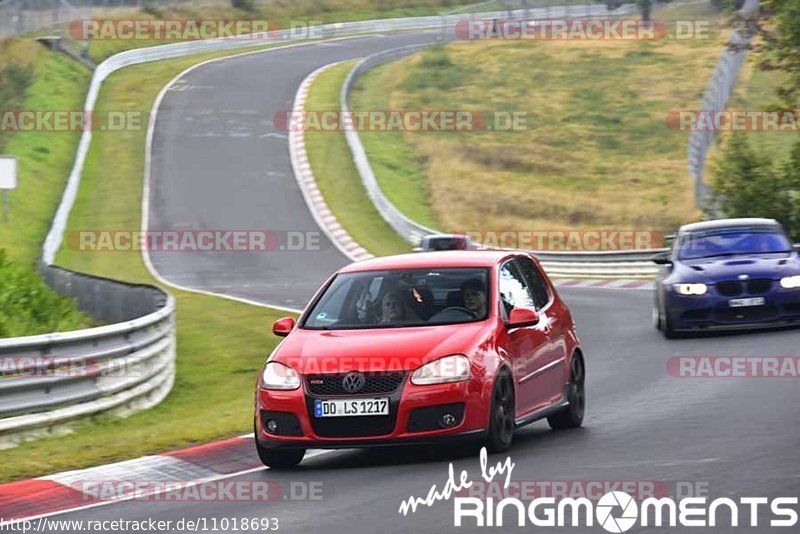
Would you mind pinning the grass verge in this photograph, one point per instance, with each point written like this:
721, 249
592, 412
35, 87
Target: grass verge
595, 153
35, 78
221, 343
336, 176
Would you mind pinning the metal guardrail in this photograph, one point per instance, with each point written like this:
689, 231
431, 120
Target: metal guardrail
715, 98
50, 380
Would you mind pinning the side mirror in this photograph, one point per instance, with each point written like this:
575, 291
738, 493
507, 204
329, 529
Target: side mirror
520, 317
283, 326
662, 258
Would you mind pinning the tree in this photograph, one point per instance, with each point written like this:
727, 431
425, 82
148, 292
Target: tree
778, 26
745, 183
791, 179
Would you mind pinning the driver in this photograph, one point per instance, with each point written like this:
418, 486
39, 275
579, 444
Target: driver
473, 291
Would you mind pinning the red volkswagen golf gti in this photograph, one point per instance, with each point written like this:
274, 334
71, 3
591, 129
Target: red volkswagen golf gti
421, 348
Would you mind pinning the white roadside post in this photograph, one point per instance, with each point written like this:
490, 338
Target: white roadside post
8, 180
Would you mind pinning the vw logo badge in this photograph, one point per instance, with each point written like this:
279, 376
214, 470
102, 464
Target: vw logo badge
353, 382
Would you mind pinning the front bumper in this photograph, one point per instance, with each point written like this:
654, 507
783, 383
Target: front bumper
412, 411
713, 312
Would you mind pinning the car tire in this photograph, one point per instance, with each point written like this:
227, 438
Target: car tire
667, 328
571, 416
664, 323
501, 414
280, 458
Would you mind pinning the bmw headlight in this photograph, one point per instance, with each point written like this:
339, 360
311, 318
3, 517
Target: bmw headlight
691, 289
448, 369
790, 282
279, 376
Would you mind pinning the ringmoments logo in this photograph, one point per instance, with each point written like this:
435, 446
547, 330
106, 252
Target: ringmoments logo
615, 511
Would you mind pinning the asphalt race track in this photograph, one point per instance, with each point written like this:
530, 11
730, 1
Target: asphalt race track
220, 164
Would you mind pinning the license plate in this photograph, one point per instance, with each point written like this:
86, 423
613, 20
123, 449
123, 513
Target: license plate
351, 407
743, 303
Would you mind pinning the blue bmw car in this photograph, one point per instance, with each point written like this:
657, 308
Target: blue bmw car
728, 274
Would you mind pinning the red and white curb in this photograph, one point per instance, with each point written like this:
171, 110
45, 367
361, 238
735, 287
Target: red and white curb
144, 478
308, 185
644, 285
67, 491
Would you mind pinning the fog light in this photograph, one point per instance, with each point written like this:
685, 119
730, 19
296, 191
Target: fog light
448, 419
272, 427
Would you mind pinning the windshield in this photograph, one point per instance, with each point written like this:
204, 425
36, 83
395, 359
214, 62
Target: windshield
402, 297
731, 242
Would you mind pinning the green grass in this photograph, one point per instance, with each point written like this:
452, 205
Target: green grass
221, 344
337, 177
30, 306
596, 152
757, 90
44, 159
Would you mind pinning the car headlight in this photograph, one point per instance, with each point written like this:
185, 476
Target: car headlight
691, 289
279, 376
448, 369
790, 282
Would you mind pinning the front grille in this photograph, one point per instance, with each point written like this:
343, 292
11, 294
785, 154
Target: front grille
759, 286
354, 427
376, 383
729, 289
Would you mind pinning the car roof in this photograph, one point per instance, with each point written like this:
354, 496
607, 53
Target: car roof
422, 260
727, 223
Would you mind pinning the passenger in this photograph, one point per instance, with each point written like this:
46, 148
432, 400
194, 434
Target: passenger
394, 309
473, 292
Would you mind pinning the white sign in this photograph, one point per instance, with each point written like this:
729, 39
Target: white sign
8, 173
